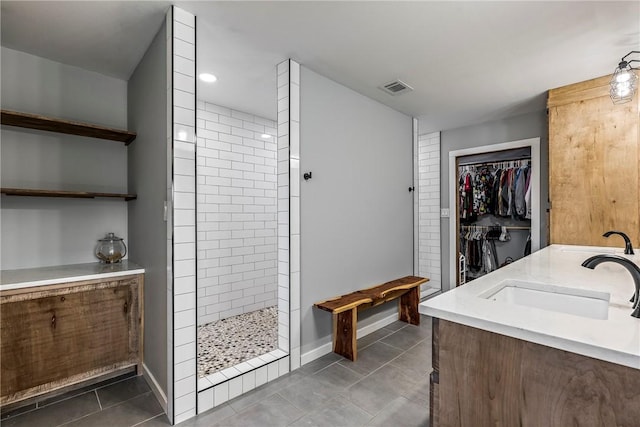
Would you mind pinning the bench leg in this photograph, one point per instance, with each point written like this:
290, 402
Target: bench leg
344, 333
408, 306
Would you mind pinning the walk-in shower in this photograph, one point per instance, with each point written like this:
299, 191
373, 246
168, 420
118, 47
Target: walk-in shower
237, 276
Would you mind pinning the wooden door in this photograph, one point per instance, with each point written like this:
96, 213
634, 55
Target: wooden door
594, 160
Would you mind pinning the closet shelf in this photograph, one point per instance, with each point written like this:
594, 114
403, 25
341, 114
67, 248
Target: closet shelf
69, 127
68, 194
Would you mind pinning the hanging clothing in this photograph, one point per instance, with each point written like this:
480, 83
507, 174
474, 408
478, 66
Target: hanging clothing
502, 189
466, 196
478, 247
513, 178
495, 190
519, 194
527, 196
489, 256
482, 187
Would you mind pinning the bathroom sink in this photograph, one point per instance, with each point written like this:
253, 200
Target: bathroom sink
593, 250
577, 302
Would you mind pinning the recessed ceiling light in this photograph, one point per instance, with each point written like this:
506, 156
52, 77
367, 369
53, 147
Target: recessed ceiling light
208, 78
265, 136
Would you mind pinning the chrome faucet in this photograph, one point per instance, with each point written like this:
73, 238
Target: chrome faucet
628, 249
626, 263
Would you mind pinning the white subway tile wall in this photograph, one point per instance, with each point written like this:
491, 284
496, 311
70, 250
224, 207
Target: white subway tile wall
217, 388
205, 399
183, 218
429, 209
266, 367
293, 322
237, 212
283, 83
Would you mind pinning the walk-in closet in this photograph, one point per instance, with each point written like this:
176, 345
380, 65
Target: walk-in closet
496, 198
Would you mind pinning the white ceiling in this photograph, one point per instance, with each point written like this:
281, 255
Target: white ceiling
468, 62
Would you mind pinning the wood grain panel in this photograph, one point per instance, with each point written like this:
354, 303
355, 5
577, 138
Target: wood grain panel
70, 127
434, 396
577, 92
594, 161
371, 297
344, 333
435, 344
54, 337
487, 379
408, 306
64, 193
434, 378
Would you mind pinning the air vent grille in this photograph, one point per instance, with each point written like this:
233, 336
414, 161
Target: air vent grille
396, 87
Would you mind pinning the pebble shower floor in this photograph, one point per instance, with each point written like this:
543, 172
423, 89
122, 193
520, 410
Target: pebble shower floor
231, 341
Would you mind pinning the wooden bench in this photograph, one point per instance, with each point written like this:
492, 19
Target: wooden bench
346, 307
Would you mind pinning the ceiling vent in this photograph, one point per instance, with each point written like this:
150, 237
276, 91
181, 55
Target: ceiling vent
396, 87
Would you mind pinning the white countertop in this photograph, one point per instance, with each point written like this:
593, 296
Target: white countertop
616, 339
29, 277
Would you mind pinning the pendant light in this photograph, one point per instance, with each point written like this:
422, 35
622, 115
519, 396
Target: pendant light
624, 81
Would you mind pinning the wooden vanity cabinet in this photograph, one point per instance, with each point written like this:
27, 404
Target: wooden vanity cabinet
57, 335
594, 165
481, 378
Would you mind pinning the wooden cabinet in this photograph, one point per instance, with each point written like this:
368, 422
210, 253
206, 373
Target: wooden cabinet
594, 165
50, 124
481, 378
57, 335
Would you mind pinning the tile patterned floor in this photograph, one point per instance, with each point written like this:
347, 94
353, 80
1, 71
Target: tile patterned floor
234, 340
126, 402
387, 386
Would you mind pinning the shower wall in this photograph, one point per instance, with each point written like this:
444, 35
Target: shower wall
237, 212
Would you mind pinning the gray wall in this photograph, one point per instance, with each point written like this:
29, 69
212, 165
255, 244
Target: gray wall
48, 231
356, 213
148, 177
531, 125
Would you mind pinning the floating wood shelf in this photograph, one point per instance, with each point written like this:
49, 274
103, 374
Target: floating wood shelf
68, 194
35, 121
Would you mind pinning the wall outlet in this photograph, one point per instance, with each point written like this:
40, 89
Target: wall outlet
444, 213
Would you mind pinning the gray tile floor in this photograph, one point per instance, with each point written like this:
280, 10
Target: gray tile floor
126, 402
387, 386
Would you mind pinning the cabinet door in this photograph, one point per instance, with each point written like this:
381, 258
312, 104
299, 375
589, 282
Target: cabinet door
593, 165
53, 338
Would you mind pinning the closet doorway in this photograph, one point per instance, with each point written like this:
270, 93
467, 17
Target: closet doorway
480, 231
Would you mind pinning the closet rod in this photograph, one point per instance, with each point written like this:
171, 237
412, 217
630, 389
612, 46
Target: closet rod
496, 162
481, 227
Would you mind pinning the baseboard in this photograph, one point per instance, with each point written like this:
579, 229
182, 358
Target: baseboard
323, 349
155, 387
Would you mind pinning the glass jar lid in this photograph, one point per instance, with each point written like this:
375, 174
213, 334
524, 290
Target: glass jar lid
110, 237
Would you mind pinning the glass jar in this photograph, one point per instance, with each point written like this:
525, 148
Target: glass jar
111, 249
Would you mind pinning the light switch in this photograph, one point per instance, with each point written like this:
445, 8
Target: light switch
444, 213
